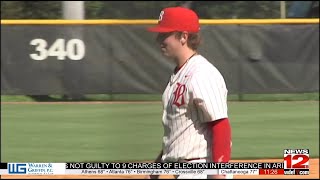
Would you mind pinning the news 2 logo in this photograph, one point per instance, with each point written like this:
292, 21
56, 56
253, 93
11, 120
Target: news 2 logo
17, 168
296, 158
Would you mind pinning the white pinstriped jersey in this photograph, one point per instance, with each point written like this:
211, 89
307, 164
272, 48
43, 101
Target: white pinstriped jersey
196, 94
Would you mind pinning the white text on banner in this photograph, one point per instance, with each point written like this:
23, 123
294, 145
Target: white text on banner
141, 171
238, 171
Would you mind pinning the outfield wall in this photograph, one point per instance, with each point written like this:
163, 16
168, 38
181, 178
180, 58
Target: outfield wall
41, 57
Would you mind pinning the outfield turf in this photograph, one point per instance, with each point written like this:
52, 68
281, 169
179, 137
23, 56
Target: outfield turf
120, 132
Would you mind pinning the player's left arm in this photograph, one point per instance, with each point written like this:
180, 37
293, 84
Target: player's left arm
221, 140
208, 92
221, 143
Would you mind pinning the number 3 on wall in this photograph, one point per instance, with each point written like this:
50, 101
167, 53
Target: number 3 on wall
74, 49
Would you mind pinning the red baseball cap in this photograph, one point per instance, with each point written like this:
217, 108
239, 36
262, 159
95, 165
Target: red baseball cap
177, 19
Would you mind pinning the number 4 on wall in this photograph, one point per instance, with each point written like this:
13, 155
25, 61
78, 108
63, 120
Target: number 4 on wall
74, 49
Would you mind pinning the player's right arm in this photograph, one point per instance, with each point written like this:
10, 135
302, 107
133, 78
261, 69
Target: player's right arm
158, 159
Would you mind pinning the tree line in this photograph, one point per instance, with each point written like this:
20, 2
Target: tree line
142, 9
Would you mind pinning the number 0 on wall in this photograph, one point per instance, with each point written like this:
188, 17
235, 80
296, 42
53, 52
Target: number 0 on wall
74, 49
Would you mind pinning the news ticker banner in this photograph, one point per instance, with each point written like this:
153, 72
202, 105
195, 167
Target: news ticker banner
293, 164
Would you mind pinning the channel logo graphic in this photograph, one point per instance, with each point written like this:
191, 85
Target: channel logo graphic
17, 168
296, 158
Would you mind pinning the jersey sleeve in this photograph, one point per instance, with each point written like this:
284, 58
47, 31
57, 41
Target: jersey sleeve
209, 93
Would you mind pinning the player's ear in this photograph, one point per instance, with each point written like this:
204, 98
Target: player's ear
184, 37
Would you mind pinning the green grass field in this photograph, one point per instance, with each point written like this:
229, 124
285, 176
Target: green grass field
120, 132
157, 97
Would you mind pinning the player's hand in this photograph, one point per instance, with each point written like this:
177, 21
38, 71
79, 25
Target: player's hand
216, 177
152, 177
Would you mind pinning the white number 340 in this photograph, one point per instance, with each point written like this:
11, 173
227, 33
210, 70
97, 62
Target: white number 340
74, 49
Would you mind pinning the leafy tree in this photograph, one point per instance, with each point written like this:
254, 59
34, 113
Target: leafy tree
126, 9
31, 9
237, 9
11, 10
147, 9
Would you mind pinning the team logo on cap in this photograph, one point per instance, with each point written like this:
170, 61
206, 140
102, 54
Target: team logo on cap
161, 15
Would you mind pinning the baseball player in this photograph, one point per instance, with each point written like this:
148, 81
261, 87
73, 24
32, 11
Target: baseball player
195, 117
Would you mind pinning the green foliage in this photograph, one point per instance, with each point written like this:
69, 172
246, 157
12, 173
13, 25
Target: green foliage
31, 9
11, 10
237, 9
92, 9
141, 9
126, 9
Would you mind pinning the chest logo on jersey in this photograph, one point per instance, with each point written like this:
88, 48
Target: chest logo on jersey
179, 95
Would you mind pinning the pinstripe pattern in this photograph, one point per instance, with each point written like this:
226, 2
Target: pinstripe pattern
205, 99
